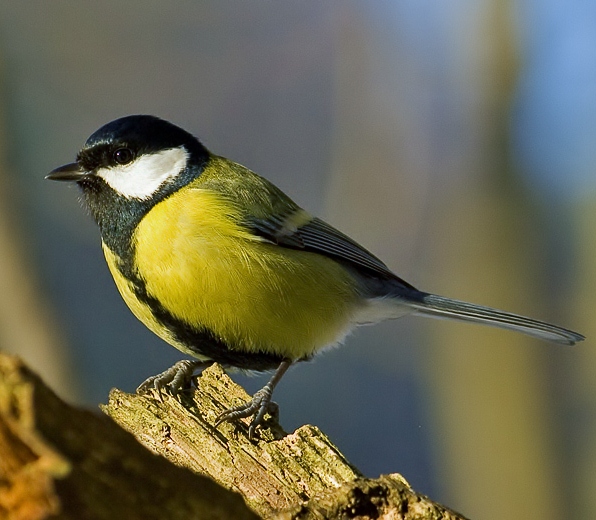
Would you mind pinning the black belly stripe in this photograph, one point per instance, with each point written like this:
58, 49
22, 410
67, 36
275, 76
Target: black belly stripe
202, 341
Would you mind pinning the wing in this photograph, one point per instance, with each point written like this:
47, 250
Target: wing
320, 237
298, 230
276, 218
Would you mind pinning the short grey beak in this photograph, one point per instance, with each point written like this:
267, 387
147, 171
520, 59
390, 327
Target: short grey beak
68, 172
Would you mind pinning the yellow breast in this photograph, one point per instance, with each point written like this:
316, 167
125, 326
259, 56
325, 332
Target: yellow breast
209, 272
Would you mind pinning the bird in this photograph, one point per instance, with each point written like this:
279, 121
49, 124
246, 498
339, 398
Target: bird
224, 266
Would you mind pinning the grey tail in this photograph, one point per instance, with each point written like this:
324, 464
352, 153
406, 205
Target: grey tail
446, 308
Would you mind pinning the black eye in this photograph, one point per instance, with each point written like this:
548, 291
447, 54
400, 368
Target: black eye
123, 155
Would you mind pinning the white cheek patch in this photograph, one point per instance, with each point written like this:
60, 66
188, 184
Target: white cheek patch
141, 178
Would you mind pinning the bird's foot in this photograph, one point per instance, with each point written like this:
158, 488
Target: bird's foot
175, 378
258, 406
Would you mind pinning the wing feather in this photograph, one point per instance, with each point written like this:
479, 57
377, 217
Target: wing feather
321, 237
316, 236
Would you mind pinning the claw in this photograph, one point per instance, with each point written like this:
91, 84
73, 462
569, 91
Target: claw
174, 378
258, 406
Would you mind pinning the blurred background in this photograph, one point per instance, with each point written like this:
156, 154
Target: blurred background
456, 140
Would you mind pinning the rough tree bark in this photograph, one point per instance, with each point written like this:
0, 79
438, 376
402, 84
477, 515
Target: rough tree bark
57, 461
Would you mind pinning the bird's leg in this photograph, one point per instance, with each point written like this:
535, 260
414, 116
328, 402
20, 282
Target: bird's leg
259, 404
175, 378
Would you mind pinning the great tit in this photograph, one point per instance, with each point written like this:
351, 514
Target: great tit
221, 264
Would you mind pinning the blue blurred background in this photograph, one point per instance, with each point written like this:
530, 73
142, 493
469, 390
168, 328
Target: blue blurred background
456, 140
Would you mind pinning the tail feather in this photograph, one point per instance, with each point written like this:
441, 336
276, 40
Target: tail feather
446, 308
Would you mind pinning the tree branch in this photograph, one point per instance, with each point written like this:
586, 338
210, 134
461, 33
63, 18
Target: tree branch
56, 459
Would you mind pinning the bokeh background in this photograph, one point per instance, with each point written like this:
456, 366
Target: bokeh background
456, 140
